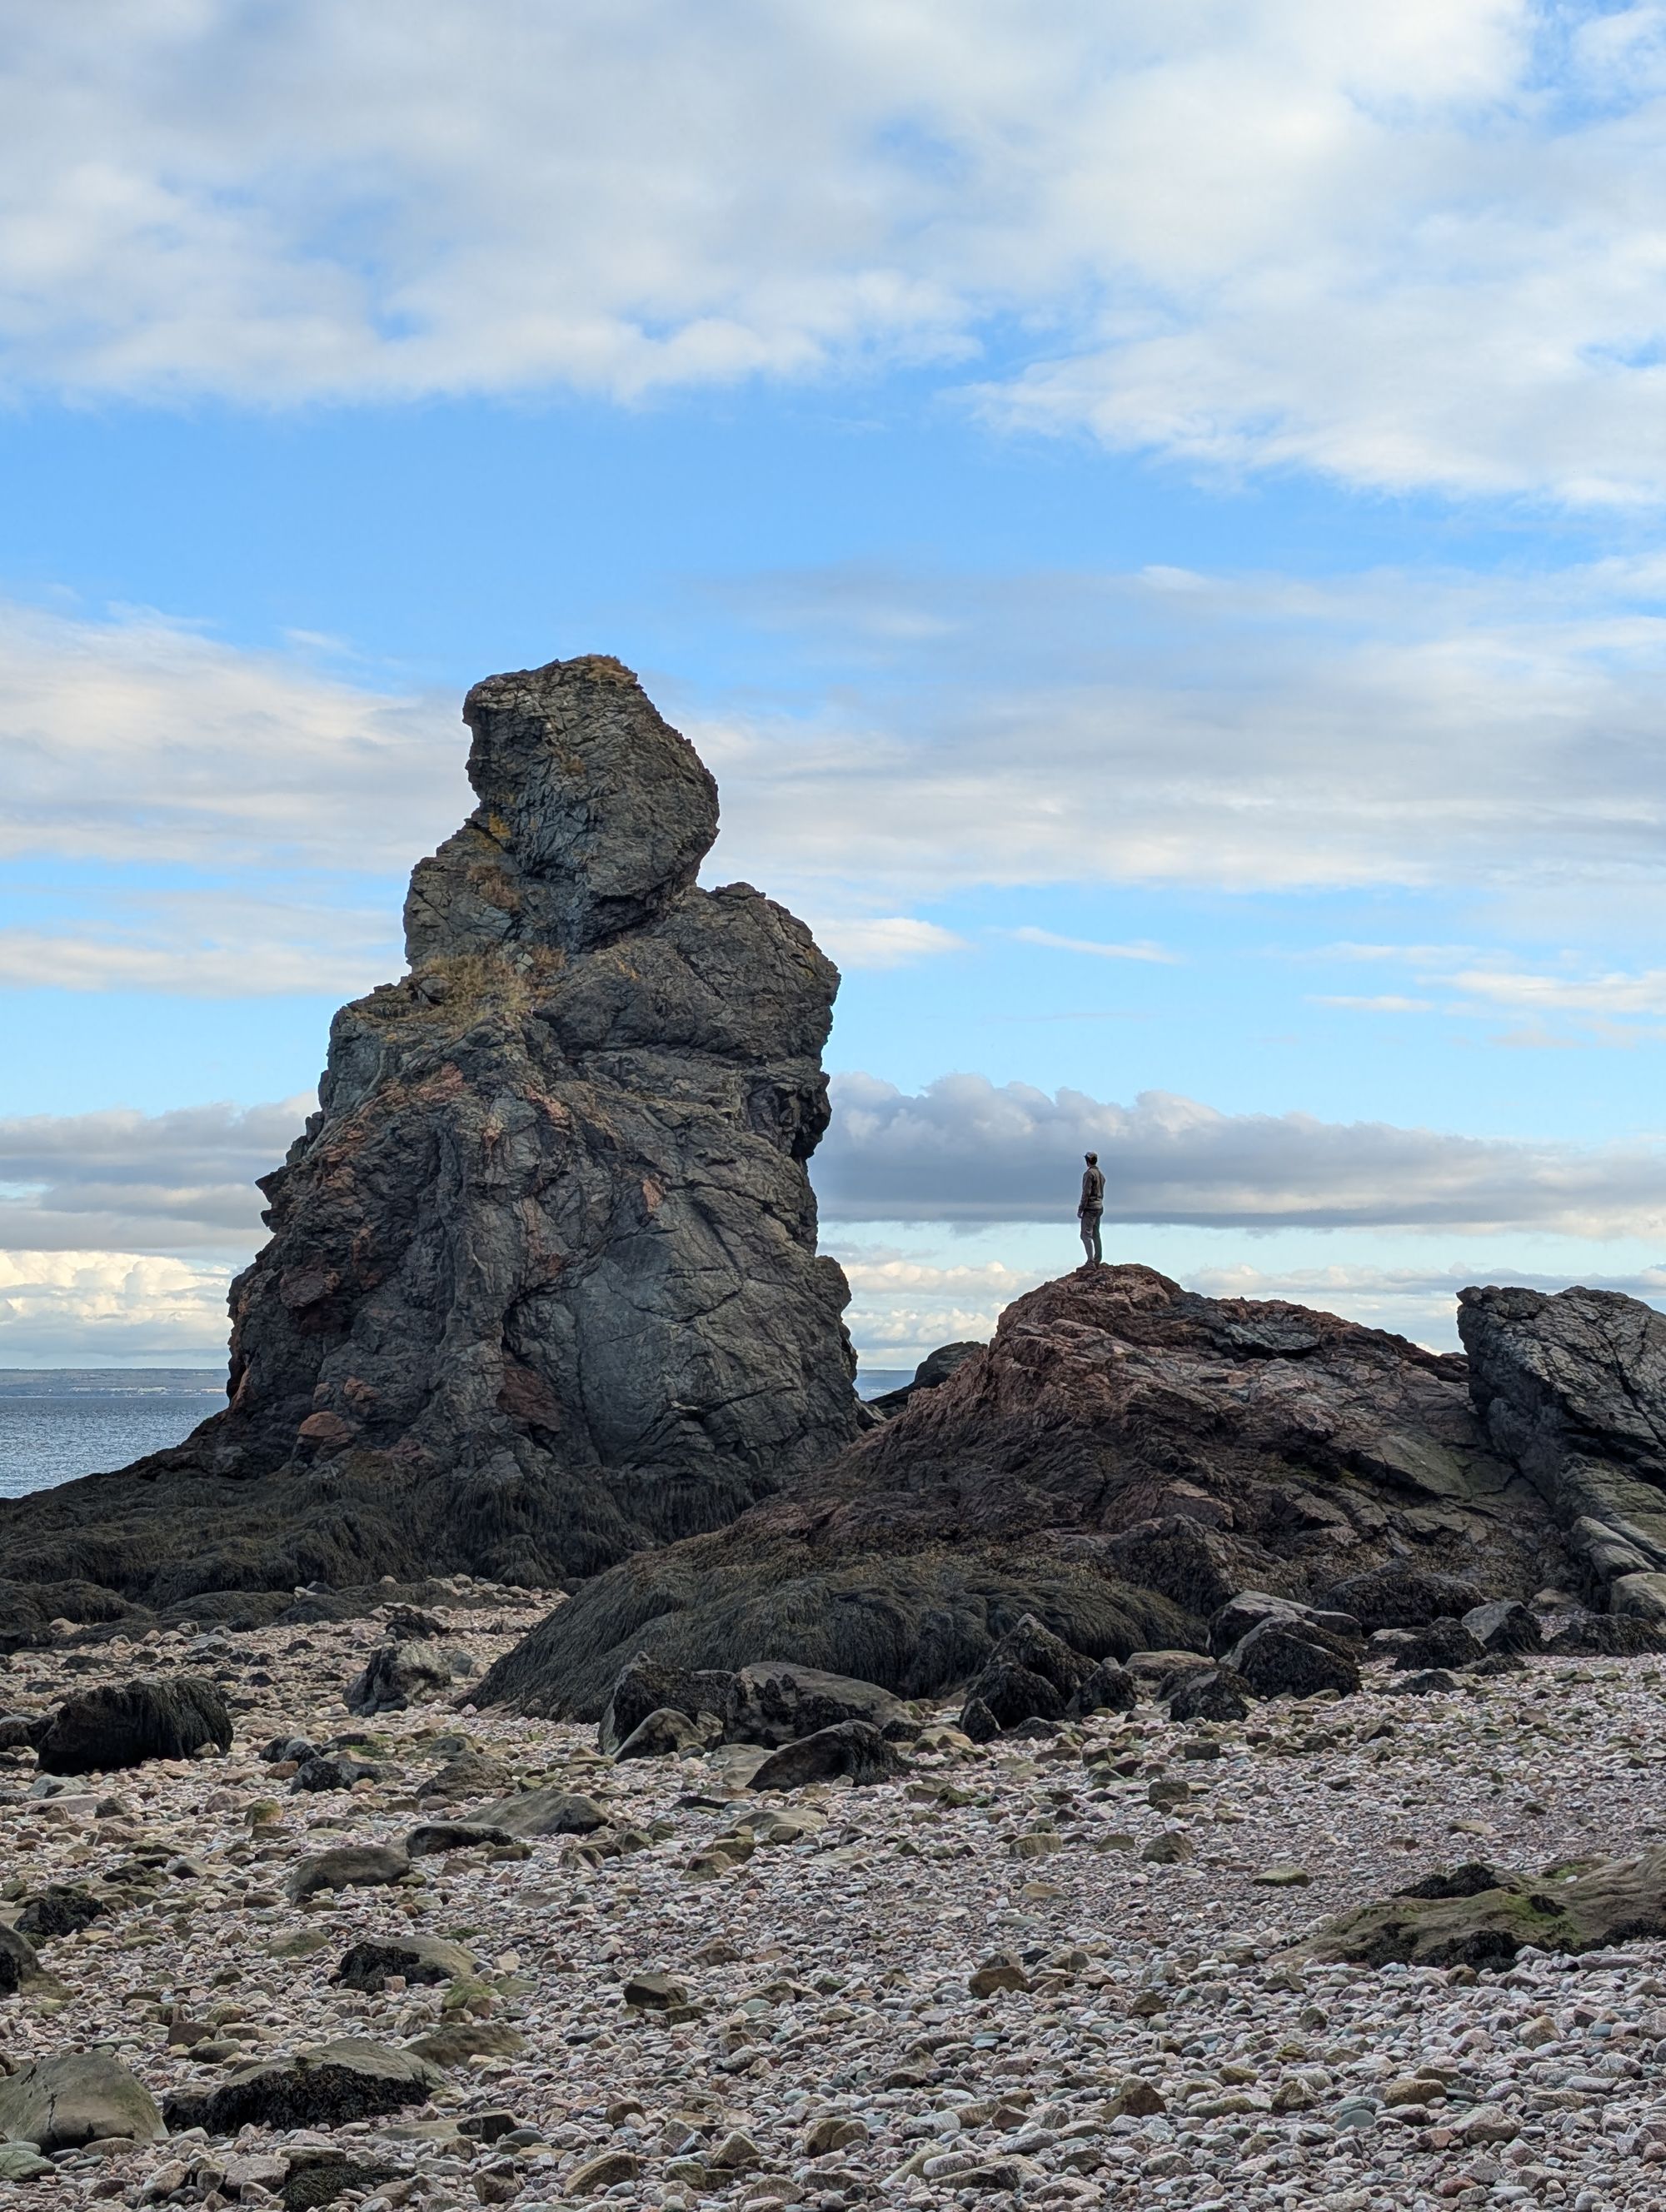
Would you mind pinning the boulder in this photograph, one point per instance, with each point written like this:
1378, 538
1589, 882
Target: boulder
457, 2042
1504, 1624
348, 1866
1030, 1675
1400, 1596
471, 1775
79, 2097
18, 1962
430, 1837
1107, 1688
1244, 1610
1442, 1643
422, 1959
1193, 1563
644, 1687
338, 1772
1293, 1659
668, 1733
101, 1730
772, 1702
855, 1748
541, 1813
934, 1369
1605, 1636
1210, 1693
350, 2079
1481, 1915
397, 1675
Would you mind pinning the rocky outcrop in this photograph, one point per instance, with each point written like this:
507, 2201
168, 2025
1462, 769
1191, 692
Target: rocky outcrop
542, 1286
1572, 1388
1119, 1461
98, 1731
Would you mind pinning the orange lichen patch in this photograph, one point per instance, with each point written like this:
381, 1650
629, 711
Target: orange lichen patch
327, 1428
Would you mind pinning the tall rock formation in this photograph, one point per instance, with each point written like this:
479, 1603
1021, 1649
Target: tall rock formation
542, 1286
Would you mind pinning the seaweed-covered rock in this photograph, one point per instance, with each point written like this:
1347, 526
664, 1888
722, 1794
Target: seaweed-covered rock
348, 1866
1245, 1610
1030, 1675
59, 1908
1400, 1594
19, 1964
643, 1685
1107, 1688
350, 2079
1442, 1643
1293, 1659
1209, 1693
101, 1730
423, 1958
1481, 1915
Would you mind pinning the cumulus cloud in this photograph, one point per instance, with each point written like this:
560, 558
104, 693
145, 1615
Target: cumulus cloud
966, 1150
1419, 246
114, 1307
124, 1181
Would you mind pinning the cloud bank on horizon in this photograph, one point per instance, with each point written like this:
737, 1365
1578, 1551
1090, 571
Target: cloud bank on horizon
1332, 855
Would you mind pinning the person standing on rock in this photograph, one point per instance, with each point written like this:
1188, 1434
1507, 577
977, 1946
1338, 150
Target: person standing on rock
1091, 1206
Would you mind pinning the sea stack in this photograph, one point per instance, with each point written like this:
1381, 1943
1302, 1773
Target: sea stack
542, 1286
552, 1221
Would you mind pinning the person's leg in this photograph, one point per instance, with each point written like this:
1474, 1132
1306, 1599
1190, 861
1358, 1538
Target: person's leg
1088, 1227
1096, 1253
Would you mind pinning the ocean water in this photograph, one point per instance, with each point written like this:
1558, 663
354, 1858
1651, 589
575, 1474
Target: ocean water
56, 1424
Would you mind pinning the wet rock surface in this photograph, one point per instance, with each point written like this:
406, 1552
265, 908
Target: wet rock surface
1116, 1426
542, 1285
1079, 1967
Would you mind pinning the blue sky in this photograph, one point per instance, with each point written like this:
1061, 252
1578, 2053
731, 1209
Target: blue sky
1154, 521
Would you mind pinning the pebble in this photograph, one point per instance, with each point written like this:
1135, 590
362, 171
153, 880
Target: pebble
862, 1995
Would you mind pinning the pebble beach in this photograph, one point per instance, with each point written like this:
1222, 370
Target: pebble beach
1051, 1970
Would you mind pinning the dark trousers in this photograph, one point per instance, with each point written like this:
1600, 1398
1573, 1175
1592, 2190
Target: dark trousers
1091, 1238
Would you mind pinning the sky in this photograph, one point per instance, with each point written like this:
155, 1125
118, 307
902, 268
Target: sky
1153, 517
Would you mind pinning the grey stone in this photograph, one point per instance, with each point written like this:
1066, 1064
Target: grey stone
1285, 1658
348, 1866
419, 1958
773, 1702
78, 2097
853, 1747
1504, 1624
397, 1675
542, 1813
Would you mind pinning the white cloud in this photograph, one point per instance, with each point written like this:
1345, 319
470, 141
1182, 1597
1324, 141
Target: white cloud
1246, 733
1140, 951
110, 1307
1419, 246
884, 941
967, 1150
140, 738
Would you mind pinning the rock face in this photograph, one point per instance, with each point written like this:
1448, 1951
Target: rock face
1119, 1461
542, 1286
1573, 1388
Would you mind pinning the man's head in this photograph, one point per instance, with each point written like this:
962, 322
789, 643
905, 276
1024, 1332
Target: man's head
1092, 1159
